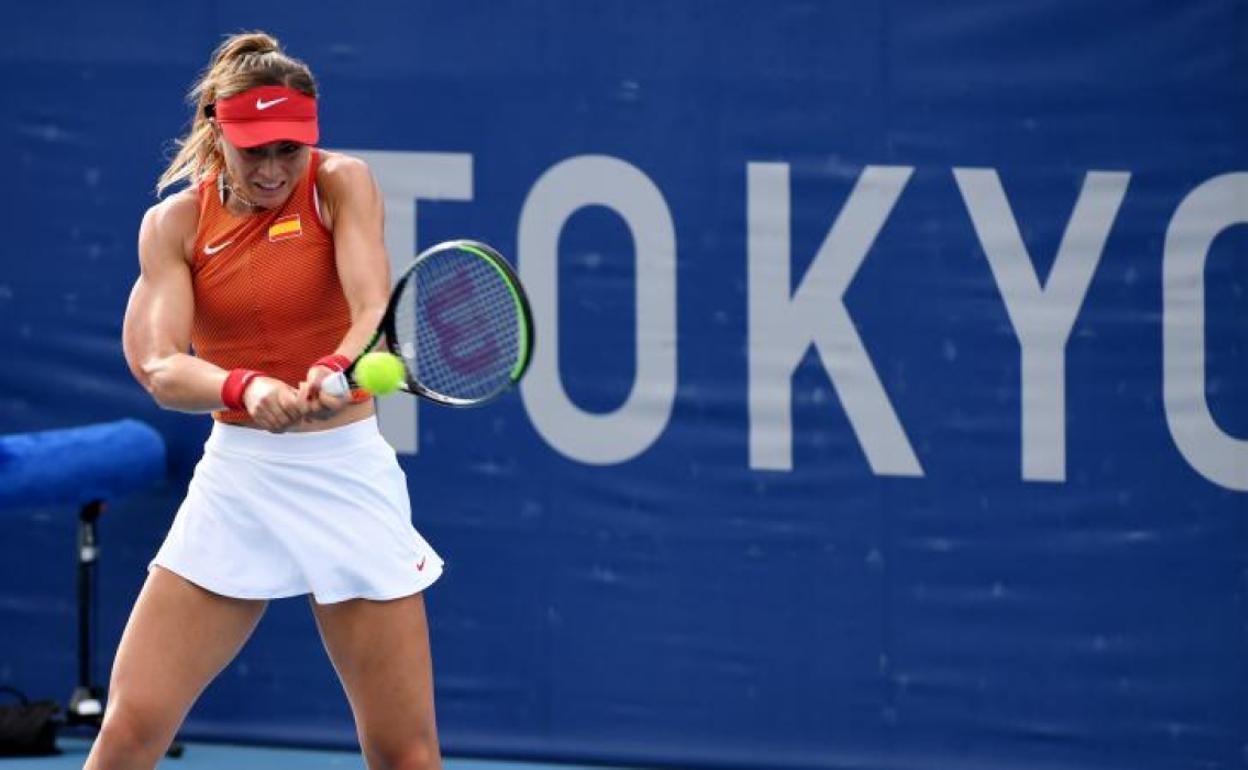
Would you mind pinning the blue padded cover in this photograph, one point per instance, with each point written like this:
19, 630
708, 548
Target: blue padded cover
77, 465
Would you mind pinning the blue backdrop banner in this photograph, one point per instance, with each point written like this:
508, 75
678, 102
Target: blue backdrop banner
889, 407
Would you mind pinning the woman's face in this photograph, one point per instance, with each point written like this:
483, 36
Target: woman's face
264, 175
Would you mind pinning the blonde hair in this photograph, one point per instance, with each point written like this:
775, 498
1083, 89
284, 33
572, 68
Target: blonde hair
242, 62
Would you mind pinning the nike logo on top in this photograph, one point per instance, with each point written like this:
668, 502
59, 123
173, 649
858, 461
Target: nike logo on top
210, 250
263, 105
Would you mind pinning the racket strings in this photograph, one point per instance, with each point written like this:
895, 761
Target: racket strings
457, 326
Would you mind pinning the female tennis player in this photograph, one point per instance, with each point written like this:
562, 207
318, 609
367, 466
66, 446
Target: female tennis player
271, 267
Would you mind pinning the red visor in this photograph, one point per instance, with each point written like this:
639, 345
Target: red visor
268, 114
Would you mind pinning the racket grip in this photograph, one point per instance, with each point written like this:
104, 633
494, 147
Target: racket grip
336, 385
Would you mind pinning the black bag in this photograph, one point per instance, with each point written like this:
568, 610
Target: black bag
28, 729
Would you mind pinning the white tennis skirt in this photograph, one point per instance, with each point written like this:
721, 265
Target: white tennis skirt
272, 515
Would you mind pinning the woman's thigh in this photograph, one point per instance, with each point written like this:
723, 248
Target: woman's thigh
380, 650
178, 638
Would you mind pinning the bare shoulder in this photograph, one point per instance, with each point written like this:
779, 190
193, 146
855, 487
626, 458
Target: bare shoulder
347, 185
169, 225
343, 173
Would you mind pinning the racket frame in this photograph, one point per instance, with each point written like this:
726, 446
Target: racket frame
386, 330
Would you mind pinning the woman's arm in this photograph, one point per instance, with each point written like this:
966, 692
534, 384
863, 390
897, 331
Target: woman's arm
357, 216
157, 329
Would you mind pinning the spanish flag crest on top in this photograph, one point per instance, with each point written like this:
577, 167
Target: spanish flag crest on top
285, 228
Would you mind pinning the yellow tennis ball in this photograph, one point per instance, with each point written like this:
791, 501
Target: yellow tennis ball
379, 373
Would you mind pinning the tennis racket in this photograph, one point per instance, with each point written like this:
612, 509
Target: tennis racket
459, 320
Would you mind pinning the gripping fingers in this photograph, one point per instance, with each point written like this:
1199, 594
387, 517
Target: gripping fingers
331, 401
276, 405
272, 417
319, 405
292, 408
265, 417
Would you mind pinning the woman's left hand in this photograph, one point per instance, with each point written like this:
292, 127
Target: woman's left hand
321, 405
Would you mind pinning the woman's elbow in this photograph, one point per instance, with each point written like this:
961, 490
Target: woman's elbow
156, 377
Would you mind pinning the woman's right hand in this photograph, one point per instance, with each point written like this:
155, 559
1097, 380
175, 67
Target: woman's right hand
274, 405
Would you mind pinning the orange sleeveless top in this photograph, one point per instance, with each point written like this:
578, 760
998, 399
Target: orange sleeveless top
267, 294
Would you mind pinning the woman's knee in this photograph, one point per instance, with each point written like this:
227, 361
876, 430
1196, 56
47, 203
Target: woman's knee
411, 754
133, 731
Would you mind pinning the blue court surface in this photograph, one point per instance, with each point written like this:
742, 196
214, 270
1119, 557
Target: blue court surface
201, 756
